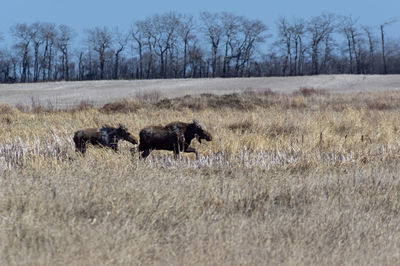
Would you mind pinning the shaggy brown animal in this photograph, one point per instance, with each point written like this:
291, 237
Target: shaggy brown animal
175, 136
105, 136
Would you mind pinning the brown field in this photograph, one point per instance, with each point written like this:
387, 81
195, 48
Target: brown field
303, 178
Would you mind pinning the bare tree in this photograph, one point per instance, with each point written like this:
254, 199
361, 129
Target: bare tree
383, 43
143, 33
37, 40
328, 60
320, 28
231, 26
22, 32
372, 43
4, 66
286, 36
355, 43
64, 37
81, 68
100, 40
139, 33
223, 44
214, 31
348, 26
119, 44
186, 26
253, 31
164, 36
299, 49
196, 61
48, 34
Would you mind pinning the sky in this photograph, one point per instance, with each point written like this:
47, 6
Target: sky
85, 14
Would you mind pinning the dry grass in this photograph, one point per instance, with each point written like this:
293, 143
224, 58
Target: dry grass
307, 178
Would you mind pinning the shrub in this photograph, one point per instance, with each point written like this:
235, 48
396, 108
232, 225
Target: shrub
123, 106
6, 108
307, 92
151, 96
241, 126
83, 105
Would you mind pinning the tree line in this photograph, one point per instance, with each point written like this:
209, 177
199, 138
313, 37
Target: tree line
174, 45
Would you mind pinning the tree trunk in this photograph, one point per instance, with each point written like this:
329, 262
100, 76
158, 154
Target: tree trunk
25, 63
140, 61
358, 63
185, 58
36, 63
383, 51
80, 66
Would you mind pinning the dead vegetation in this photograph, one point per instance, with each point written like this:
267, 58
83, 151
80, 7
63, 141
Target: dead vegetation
306, 178
123, 106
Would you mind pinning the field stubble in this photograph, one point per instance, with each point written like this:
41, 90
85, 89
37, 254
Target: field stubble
307, 178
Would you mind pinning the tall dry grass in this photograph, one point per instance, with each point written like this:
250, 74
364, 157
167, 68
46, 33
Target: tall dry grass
308, 178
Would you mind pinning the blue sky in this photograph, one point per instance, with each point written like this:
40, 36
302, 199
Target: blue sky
85, 14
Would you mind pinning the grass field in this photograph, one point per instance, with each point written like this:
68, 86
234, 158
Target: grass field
302, 178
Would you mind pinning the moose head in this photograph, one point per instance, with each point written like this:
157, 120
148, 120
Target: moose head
199, 131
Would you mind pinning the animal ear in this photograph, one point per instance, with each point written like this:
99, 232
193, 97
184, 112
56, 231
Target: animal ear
122, 126
197, 123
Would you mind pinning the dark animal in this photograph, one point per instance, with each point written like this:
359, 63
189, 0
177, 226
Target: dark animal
175, 136
105, 136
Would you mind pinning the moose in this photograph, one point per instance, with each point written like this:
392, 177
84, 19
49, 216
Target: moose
105, 136
175, 136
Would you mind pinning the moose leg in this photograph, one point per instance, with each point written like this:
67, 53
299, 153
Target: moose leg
176, 151
145, 153
80, 146
114, 147
192, 150
77, 148
114, 144
79, 141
